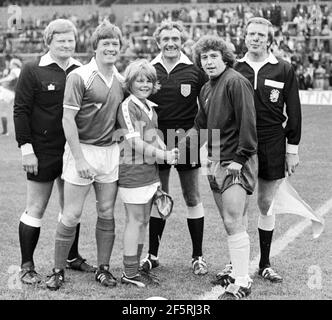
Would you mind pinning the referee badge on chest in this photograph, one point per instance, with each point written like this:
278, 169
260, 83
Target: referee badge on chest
51, 87
185, 89
274, 95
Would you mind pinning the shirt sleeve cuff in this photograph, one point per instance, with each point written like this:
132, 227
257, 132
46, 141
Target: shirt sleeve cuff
67, 106
27, 149
292, 148
132, 135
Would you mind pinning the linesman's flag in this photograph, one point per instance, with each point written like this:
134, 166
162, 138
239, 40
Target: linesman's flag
287, 200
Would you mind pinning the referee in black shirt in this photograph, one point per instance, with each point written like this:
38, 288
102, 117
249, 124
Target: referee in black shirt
181, 82
38, 109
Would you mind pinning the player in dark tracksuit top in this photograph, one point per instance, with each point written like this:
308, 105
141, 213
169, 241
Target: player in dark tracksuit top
227, 111
38, 109
275, 86
181, 82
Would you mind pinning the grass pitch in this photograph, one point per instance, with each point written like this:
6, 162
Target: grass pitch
305, 264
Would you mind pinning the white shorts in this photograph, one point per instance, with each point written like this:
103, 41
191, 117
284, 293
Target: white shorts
105, 161
140, 195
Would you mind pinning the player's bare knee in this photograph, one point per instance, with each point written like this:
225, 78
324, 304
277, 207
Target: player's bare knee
233, 224
105, 210
70, 220
264, 204
36, 210
192, 199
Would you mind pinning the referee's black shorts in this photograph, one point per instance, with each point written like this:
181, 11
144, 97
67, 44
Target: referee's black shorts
271, 156
49, 168
171, 139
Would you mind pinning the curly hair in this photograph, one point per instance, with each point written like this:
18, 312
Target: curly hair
207, 43
170, 25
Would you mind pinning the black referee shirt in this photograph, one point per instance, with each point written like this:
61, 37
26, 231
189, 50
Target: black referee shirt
177, 98
275, 86
38, 106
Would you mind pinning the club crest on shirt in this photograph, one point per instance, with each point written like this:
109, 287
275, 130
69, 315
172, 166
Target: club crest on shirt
274, 95
185, 89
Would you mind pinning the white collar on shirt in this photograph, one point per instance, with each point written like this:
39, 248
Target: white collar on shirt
94, 67
270, 59
256, 66
183, 59
46, 60
142, 106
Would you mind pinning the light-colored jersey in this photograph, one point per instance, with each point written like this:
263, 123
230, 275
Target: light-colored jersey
96, 101
136, 119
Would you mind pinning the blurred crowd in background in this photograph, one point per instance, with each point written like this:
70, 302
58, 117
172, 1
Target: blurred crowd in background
303, 35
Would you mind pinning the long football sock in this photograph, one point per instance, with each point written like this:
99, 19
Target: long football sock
196, 227
265, 230
239, 251
195, 221
130, 264
156, 228
105, 236
139, 252
73, 253
64, 238
265, 240
28, 231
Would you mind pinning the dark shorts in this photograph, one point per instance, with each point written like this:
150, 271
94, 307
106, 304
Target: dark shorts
192, 160
49, 168
271, 157
220, 180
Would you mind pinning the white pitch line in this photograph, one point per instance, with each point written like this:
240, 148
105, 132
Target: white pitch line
277, 247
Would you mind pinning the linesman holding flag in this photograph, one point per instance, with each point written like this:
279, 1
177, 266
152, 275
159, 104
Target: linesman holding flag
275, 87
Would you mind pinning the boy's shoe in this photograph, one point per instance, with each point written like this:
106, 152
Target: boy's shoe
199, 266
104, 277
56, 280
140, 280
79, 264
149, 263
269, 274
151, 277
223, 278
28, 275
235, 292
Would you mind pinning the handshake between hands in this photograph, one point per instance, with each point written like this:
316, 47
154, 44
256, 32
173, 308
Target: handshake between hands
172, 156
86, 171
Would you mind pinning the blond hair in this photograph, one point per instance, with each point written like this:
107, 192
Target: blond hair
58, 26
265, 22
138, 68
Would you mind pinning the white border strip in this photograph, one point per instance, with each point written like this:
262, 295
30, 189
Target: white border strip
277, 247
